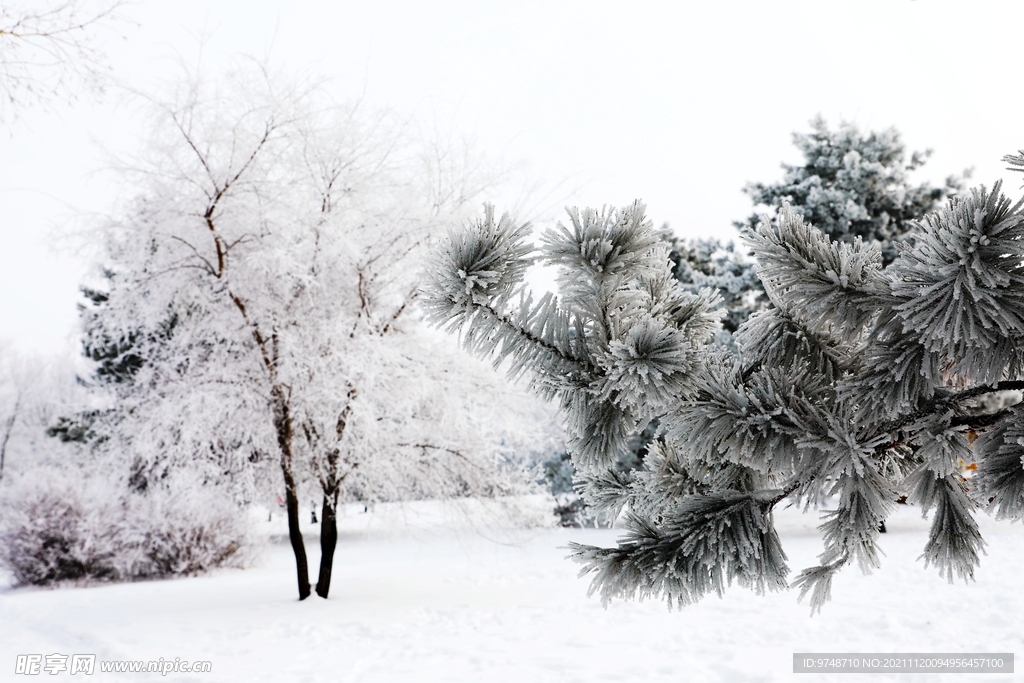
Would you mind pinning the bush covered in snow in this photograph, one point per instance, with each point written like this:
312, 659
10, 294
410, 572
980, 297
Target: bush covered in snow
56, 526
53, 529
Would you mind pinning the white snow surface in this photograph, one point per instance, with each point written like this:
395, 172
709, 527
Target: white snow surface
418, 598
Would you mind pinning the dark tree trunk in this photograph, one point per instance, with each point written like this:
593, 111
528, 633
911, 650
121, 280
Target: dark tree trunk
283, 423
280, 399
295, 536
328, 542
331, 484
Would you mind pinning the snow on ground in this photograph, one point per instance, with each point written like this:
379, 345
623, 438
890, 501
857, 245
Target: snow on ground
415, 601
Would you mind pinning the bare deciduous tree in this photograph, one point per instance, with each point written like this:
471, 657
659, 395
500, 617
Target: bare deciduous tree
47, 49
273, 238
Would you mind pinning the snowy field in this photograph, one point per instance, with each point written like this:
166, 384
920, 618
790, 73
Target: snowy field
414, 601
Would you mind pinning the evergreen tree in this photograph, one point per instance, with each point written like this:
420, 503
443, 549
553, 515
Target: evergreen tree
719, 265
859, 386
845, 174
854, 185
850, 185
117, 360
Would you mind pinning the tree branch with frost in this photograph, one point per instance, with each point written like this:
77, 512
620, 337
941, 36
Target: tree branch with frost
45, 52
940, 405
289, 336
850, 390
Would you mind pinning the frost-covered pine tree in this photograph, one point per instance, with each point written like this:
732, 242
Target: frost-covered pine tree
718, 265
853, 184
861, 385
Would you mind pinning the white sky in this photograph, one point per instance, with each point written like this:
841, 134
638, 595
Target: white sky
679, 104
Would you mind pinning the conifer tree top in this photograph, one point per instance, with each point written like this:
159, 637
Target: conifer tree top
853, 184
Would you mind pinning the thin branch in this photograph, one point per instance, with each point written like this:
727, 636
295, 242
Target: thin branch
942, 404
209, 266
978, 421
42, 52
526, 334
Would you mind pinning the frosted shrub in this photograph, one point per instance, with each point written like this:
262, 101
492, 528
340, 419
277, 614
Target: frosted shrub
184, 532
56, 527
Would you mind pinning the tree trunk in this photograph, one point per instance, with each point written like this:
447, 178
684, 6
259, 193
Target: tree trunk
328, 542
283, 423
8, 428
295, 536
331, 483
280, 395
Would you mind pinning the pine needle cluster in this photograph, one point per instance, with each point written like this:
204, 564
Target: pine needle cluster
860, 385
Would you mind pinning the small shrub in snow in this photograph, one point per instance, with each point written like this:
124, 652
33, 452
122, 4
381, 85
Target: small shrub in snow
184, 532
56, 527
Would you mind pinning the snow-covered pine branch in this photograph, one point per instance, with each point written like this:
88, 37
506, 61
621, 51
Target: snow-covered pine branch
702, 546
829, 286
861, 386
622, 330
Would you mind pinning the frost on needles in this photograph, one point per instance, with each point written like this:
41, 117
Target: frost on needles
860, 385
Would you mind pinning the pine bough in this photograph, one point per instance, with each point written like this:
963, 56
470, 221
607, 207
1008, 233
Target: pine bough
859, 386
